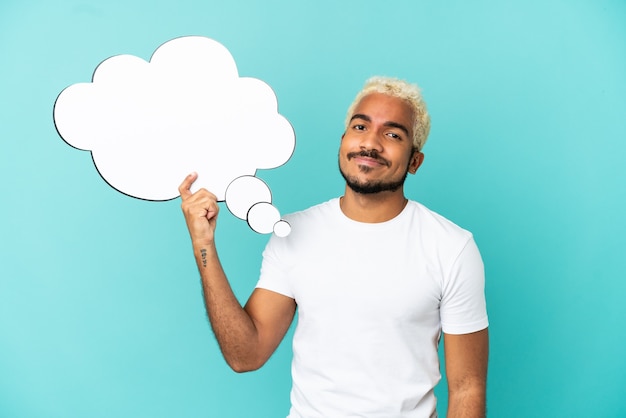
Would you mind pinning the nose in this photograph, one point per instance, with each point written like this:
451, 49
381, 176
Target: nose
370, 140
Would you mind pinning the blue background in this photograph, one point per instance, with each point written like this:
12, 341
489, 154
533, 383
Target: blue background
101, 313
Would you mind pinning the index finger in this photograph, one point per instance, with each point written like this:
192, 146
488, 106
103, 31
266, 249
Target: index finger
184, 187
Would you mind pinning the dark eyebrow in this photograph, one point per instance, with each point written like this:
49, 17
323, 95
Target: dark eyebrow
360, 116
390, 124
398, 126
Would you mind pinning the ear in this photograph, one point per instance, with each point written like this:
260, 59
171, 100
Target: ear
416, 160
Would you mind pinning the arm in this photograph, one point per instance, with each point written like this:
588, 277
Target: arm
247, 336
466, 370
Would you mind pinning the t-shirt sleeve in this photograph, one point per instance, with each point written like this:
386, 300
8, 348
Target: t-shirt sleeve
274, 267
463, 308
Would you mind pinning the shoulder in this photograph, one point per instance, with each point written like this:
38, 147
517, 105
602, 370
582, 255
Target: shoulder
321, 212
433, 223
437, 236
308, 223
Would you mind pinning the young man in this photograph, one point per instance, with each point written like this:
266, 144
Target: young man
376, 279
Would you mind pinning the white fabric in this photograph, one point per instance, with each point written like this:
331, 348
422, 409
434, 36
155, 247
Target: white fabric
372, 301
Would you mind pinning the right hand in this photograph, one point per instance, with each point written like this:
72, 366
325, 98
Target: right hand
200, 210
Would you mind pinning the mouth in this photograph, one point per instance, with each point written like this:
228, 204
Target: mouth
369, 159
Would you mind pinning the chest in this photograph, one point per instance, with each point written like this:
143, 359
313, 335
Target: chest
380, 277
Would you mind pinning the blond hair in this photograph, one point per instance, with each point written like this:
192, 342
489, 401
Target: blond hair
401, 89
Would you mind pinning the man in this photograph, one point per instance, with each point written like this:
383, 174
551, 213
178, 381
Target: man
376, 279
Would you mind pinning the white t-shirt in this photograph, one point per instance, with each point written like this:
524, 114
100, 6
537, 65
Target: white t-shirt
372, 301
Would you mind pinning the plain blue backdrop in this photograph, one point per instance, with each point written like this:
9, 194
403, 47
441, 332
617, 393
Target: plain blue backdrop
101, 313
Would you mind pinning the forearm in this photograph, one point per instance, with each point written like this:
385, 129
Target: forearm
466, 369
234, 329
467, 402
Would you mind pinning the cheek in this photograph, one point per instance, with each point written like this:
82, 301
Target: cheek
344, 145
404, 162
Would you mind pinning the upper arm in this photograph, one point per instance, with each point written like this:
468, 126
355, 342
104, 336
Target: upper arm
271, 314
466, 357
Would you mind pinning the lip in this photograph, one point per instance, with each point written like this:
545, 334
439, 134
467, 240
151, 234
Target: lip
368, 161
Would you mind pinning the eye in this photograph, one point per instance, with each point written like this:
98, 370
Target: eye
358, 127
394, 135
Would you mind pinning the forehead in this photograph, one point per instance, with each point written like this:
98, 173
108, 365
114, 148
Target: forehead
385, 108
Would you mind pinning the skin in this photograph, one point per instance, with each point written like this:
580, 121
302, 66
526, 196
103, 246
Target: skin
466, 370
381, 126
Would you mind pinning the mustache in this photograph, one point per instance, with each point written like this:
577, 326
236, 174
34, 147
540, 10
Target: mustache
368, 154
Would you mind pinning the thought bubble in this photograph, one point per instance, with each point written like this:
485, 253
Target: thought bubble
248, 197
149, 124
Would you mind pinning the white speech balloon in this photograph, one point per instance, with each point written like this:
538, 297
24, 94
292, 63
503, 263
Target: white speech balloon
149, 124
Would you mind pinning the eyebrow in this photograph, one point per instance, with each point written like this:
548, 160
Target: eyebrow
390, 124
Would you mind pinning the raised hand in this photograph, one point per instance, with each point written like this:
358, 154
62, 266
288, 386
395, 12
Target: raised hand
200, 210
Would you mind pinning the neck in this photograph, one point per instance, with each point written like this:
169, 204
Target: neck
372, 208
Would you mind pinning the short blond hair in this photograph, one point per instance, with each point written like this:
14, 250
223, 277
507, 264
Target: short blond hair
401, 89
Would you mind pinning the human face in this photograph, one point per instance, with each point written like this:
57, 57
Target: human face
376, 151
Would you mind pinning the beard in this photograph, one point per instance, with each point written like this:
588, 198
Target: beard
371, 187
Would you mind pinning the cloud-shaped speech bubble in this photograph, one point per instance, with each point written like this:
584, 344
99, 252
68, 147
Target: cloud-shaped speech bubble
149, 124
